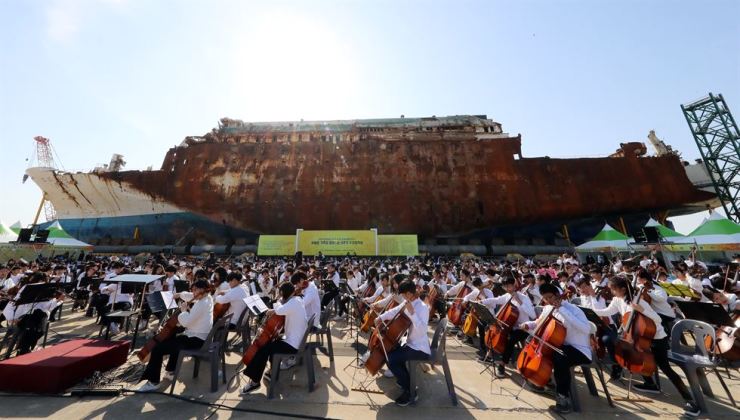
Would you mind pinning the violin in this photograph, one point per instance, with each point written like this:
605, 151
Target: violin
498, 333
535, 360
385, 338
632, 349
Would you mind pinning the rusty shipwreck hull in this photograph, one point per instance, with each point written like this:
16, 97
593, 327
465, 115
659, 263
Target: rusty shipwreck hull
432, 188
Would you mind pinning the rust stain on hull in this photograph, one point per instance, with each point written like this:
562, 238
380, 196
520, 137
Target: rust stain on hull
431, 183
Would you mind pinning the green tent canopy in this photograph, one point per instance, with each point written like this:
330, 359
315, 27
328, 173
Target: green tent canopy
608, 239
7, 234
60, 238
665, 232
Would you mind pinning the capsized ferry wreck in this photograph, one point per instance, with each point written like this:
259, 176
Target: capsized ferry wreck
454, 181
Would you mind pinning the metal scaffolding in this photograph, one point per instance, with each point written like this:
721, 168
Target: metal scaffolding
718, 139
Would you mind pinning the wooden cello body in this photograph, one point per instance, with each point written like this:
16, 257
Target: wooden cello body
632, 349
368, 320
498, 333
535, 360
270, 330
457, 308
385, 338
168, 330
369, 291
219, 310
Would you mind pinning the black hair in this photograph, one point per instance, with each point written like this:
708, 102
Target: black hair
477, 282
621, 282
170, 269
406, 286
508, 280
201, 284
287, 289
234, 276
549, 288
298, 277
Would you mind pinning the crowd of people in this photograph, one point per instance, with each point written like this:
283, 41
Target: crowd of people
424, 289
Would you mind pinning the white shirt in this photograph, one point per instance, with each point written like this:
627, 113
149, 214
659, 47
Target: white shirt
334, 278
312, 303
417, 337
385, 291
354, 283
487, 294
295, 321
198, 321
454, 290
660, 302
170, 282
526, 309
618, 305
112, 291
235, 298
576, 324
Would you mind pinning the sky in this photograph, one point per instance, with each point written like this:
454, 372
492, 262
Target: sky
135, 77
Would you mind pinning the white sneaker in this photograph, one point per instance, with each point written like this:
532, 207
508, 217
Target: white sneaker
114, 328
148, 387
168, 375
287, 363
388, 373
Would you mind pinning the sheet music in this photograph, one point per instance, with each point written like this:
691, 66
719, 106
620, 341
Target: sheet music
255, 304
169, 299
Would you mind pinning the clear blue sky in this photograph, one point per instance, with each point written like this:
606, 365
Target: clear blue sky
575, 78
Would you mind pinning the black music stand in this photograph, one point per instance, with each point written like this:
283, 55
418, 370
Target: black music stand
36, 293
711, 313
328, 285
591, 315
487, 318
182, 286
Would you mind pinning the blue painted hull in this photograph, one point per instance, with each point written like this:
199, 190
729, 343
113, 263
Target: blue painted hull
156, 229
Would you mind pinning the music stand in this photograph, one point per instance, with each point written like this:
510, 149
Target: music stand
591, 315
485, 317
711, 313
130, 284
182, 286
328, 285
36, 293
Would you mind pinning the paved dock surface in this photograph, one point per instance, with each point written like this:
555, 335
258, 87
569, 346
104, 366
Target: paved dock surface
339, 392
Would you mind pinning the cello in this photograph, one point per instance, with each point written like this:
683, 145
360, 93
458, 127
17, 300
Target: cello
632, 349
168, 330
369, 291
385, 338
269, 331
369, 319
498, 333
535, 359
457, 309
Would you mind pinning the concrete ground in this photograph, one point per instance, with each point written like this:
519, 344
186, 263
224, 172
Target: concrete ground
338, 393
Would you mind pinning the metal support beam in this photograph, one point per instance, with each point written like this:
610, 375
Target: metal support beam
718, 138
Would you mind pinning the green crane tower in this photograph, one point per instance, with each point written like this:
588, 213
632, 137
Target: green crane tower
718, 139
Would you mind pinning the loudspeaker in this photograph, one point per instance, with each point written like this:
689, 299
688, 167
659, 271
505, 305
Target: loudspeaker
25, 235
41, 236
652, 234
298, 259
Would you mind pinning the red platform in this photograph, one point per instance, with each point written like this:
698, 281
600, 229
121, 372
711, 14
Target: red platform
56, 368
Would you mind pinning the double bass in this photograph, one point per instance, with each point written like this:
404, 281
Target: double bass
498, 333
535, 360
385, 338
632, 349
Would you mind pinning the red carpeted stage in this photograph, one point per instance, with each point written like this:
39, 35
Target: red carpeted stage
56, 368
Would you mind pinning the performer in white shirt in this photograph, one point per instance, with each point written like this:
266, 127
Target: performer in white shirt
171, 275
234, 297
623, 302
416, 346
311, 301
197, 321
577, 348
526, 313
295, 327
